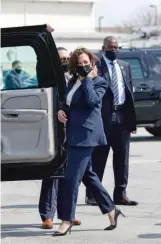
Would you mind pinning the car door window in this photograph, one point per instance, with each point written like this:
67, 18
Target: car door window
136, 67
18, 68
31, 137
156, 64
157, 56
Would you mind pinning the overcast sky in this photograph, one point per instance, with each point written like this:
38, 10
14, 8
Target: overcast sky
116, 12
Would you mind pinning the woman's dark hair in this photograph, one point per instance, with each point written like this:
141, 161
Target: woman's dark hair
74, 61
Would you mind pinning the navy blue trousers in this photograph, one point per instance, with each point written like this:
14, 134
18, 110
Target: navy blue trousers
48, 199
79, 168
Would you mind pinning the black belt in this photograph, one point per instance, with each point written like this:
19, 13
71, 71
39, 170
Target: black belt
118, 107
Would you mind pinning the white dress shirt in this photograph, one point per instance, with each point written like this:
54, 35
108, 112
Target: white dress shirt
121, 84
72, 91
67, 77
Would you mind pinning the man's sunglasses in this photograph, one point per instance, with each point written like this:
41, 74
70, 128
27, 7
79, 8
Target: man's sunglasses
65, 59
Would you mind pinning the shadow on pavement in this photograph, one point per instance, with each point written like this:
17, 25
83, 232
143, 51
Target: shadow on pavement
20, 230
150, 236
145, 139
135, 155
82, 205
24, 234
9, 227
14, 227
19, 206
85, 230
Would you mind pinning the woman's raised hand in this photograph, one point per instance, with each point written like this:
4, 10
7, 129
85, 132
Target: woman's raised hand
93, 73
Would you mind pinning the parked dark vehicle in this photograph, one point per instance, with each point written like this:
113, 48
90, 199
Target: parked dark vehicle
146, 75
31, 136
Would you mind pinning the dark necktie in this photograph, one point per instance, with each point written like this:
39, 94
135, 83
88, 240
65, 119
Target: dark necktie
115, 87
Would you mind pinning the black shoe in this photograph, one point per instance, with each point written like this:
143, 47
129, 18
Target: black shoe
90, 202
117, 213
126, 202
58, 233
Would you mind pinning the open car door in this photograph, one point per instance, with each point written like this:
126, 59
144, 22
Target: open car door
32, 87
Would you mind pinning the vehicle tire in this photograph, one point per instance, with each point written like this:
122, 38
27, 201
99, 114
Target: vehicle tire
156, 131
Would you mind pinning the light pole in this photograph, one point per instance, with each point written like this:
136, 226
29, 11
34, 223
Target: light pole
25, 8
156, 13
99, 23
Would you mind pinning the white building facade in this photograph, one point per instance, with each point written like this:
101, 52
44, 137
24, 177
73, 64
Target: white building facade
71, 19
63, 15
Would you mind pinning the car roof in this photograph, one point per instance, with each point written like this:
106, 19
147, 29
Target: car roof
133, 49
31, 29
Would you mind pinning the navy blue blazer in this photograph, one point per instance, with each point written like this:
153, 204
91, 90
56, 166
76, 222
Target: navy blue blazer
84, 127
107, 106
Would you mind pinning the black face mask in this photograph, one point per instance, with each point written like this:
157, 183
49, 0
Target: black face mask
83, 70
65, 66
18, 71
111, 55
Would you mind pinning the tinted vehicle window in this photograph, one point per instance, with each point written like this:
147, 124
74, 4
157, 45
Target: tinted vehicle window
157, 56
136, 68
156, 64
18, 68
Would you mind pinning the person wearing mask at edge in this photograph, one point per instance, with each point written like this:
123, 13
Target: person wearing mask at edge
81, 113
48, 194
119, 118
64, 58
16, 77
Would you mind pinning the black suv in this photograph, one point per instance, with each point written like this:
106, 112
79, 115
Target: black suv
146, 75
31, 136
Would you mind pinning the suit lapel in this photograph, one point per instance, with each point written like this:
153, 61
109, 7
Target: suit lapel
69, 87
105, 72
76, 94
123, 74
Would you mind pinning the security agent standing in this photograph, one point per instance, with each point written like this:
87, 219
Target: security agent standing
64, 57
119, 119
49, 187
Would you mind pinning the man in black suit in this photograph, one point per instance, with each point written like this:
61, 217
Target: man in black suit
119, 119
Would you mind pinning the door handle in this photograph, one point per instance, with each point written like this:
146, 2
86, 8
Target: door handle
11, 116
144, 87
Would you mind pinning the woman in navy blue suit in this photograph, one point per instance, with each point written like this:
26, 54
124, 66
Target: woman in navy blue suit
81, 113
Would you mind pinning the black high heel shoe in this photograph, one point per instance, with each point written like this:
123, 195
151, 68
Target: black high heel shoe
117, 213
58, 233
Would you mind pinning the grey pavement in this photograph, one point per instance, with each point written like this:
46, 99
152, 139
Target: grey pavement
142, 225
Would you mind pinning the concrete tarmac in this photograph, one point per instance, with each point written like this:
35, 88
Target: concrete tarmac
21, 223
